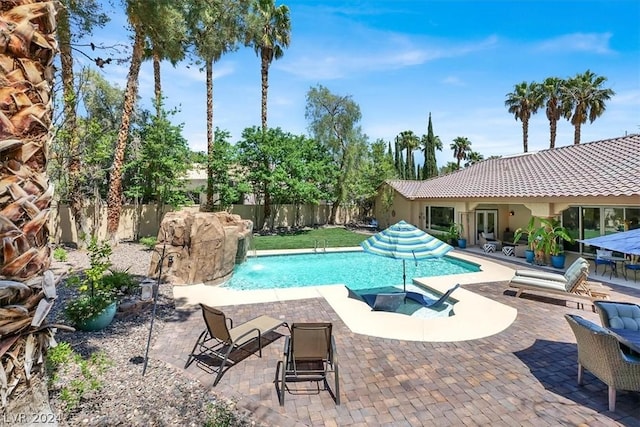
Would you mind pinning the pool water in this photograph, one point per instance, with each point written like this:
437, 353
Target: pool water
356, 270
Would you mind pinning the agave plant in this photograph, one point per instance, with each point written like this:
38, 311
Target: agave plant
27, 50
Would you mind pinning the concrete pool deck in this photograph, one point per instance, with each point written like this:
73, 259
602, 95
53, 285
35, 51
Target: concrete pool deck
475, 315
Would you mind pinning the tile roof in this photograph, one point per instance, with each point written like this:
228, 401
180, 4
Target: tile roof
601, 168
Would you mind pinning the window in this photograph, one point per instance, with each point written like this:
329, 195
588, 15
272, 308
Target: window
440, 218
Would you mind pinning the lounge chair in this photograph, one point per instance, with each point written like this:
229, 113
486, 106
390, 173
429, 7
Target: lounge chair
217, 341
572, 283
429, 302
309, 356
485, 238
385, 301
599, 352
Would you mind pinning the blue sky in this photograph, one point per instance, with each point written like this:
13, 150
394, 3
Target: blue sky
401, 60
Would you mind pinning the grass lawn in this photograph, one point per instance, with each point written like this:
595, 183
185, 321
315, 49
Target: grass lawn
306, 239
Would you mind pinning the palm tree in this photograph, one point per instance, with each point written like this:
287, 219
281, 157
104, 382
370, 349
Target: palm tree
269, 31
87, 15
25, 122
136, 11
215, 28
551, 96
473, 157
522, 103
461, 147
584, 98
409, 141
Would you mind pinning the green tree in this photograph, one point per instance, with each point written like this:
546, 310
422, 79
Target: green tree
584, 98
524, 101
430, 143
293, 169
461, 147
551, 96
472, 158
333, 122
269, 32
157, 172
449, 167
375, 169
215, 28
166, 40
409, 141
229, 186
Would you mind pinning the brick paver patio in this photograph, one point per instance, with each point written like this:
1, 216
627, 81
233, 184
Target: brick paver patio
523, 376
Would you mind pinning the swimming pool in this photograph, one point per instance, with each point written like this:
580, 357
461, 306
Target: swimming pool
356, 270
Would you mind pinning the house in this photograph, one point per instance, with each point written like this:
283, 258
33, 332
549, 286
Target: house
594, 188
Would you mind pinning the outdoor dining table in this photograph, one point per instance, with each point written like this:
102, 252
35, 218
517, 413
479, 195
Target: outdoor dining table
628, 337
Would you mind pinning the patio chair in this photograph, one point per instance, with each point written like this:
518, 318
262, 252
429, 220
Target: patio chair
220, 338
619, 314
309, 356
633, 265
599, 352
602, 258
485, 238
573, 283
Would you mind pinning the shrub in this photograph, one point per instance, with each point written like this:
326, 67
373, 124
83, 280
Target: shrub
120, 282
149, 242
60, 254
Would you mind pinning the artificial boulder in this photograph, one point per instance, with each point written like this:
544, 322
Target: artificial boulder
199, 247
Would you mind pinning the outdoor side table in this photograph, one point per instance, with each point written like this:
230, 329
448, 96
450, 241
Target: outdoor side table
508, 251
489, 247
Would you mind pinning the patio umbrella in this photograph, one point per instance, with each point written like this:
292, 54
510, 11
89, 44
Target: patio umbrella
405, 241
627, 242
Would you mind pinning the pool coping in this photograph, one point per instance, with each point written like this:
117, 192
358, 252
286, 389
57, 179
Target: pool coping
488, 317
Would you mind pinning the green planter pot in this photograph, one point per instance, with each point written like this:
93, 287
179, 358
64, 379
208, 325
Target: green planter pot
100, 321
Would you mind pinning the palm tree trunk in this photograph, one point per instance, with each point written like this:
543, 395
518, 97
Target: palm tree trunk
157, 83
553, 126
525, 135
114, 197
70, 124
576, 133
210, 136
264, 72
25, 120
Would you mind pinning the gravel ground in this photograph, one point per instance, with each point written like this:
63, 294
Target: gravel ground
164, 396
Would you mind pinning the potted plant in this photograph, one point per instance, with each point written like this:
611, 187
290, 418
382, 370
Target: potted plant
95, 305
530, 231
454, 235
553, 234
458, 230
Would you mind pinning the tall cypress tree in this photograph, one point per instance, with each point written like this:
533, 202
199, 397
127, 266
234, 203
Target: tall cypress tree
431, 144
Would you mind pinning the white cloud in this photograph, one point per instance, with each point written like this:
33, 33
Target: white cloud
398, 52
578, 42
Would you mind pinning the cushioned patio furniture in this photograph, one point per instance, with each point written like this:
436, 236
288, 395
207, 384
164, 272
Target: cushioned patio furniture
309, 356
485, 238
599, 352
633, 265
214, 345
619, 314
573, 283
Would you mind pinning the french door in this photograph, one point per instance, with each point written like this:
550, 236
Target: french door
487, 221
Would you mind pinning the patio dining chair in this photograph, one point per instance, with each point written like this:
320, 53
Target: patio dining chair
215, 344
309, 356
599, 352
